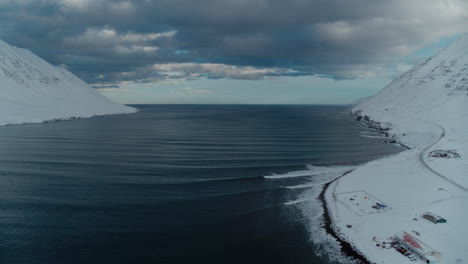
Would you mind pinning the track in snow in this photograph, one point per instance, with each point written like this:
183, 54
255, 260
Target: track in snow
422, 154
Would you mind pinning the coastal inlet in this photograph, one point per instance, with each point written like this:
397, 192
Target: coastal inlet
176, 184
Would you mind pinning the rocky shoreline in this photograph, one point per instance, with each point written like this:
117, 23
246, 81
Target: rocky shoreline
382, 128
72, 118
346, 247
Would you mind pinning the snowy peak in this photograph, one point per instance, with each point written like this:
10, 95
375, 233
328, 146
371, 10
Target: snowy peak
33, 90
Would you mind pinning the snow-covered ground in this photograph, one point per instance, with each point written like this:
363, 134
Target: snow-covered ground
427, 109
33, 91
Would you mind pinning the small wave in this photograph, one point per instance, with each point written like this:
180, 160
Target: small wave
368, 136
330, 168
303, 186
253, 192
311, 171
227, 179
290, 175
368, 132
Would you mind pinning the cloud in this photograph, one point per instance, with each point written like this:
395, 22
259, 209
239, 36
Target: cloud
115, 41
76, 4
105, 86
108, 35
194, 91
114, 90
115, 7
105, 40
216, 71
186, 91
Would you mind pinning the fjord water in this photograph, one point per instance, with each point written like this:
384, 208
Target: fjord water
170, 184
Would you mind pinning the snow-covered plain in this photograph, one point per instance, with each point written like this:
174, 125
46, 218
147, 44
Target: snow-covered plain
426, 109
33, 91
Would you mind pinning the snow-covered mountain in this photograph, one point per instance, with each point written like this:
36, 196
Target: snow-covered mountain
32, 90
433, 89
426, 109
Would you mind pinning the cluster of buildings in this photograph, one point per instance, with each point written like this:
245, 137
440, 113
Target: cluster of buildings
416, 246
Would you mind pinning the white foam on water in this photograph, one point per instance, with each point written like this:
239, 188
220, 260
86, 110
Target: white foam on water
326, 246
368, 132
294, 174
302, 186
367, 136
311, 208
311, 171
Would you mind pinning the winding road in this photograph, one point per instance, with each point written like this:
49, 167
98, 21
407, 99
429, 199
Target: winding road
422, 154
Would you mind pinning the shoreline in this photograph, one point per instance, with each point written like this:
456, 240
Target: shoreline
424, 111
414, 169
71, 118
346, 248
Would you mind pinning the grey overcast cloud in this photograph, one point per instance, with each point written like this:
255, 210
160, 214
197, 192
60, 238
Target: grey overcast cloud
110, 42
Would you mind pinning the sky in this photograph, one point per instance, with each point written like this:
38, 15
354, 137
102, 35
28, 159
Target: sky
234, 51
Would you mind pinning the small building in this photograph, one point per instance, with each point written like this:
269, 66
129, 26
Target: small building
434, 218
379, 206
418, 248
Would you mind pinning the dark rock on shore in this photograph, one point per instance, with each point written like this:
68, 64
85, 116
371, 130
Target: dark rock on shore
346, 247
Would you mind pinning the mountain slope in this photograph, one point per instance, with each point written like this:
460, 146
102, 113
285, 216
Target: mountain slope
429, 99
432, 89
426, 108
33, 90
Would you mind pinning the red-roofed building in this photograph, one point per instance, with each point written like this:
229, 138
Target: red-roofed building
418, 248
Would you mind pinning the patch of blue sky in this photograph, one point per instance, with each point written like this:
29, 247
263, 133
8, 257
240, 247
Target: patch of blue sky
181, 52
429, 50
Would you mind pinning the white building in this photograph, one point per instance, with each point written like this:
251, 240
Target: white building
418, 248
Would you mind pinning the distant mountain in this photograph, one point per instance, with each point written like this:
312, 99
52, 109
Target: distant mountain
32, 90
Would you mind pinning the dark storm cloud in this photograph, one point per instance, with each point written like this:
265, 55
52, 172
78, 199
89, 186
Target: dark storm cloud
114, 41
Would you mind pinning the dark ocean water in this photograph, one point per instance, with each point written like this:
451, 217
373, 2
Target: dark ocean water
171, 184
